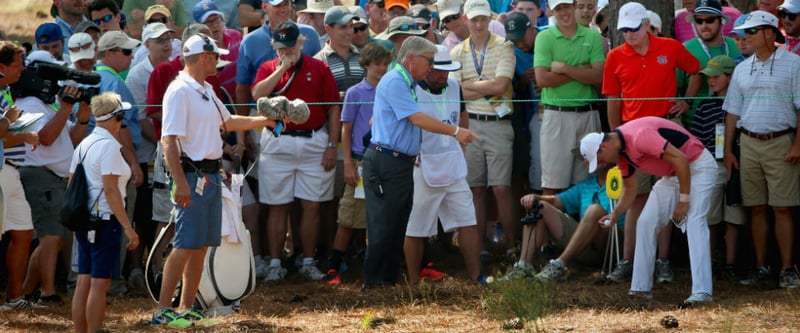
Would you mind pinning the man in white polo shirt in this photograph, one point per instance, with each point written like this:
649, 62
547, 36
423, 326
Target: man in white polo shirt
193, 117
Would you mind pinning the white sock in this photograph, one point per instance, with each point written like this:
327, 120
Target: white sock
274, 262
308, 261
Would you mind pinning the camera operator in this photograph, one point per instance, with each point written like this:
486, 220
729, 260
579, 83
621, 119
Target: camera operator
43, 173
583, 240
15, 213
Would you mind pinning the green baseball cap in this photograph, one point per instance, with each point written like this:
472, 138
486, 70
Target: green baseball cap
719, 65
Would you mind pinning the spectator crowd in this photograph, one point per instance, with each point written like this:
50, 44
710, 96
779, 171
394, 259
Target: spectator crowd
483, 123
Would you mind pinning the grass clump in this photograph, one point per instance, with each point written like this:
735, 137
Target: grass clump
527, 299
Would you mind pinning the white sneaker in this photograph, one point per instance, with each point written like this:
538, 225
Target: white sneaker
275, 273
696, 299
553, 271
311, 271
20, 304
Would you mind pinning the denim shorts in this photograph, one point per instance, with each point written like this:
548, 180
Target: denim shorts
200, 224
101, 258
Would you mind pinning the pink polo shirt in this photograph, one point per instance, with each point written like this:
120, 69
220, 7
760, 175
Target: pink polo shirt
644, 141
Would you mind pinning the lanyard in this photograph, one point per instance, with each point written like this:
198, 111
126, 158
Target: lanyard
708, 53
8, 98
110, 70
407, 79
478, 66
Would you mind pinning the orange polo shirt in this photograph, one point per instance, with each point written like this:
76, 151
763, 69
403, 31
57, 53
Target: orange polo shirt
628, 74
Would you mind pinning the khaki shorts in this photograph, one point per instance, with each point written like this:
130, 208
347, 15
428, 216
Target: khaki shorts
561, 132
767, 179
489, 160
719, 211
590, 255
352, 212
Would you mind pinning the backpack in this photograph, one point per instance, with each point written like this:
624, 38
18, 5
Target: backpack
75, 215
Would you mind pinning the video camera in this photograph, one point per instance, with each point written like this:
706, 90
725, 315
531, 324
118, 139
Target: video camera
534, 214
40, 80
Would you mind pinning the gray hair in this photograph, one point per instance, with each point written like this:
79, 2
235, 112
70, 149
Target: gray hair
105, 103
414, 45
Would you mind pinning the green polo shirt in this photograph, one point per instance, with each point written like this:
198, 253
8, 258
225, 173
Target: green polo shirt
585, 48
695, 48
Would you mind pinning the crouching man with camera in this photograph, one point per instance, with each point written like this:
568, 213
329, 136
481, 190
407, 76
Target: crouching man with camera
554, 216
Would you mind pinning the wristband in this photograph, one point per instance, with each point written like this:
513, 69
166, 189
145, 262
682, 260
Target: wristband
456, 132
684, 197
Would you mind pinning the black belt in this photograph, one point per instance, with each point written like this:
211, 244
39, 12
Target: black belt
767, 136
7, 162
487, 117
582, 108
302, 133
160, 186
393, 153
355, 156
204, 166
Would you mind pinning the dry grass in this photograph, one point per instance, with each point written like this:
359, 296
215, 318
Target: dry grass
579, 305
19, 18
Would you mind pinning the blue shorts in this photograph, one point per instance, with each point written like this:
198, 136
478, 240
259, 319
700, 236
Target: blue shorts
200, 224
101, 258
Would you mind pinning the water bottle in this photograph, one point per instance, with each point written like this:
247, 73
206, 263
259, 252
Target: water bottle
499, 234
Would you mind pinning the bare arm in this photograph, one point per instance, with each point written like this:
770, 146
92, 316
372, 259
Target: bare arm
614, 111
588, 73
115, 202
172, 157
350, 172
249, 16
546, 78
129, 153
680, 163
479, 89
730, 137
242, 123
527, 201
334, 130
267, 86
431, 124
78, 132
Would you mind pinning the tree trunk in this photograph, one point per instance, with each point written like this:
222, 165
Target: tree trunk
666, 9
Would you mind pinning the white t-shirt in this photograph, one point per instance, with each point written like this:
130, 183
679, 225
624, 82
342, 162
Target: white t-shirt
102, 156
55, 157
190, 114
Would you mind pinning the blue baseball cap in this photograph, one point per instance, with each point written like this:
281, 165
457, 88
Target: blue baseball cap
739, 21
48, 33
203, 9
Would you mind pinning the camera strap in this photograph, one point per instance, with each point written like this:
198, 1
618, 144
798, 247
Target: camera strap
7, 97
95, 206
291, 78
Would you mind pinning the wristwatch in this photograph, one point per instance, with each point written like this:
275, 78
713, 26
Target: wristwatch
331, 144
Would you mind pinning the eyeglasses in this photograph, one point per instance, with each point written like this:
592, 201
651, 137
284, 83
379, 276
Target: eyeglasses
451, 18
753, 31
707, 20
162, 41
787, 15
360, 28
106, 18
429, 59
79, 47
159, 20
627, 30
126, 52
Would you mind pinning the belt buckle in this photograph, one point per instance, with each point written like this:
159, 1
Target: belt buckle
395, 154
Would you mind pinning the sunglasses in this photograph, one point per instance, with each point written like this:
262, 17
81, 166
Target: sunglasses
451, 18
786, 15
159, 20
357, 29
119, 116
627, 30
707, 20
79, 47
106, 18
753, 31
126, 52
379, 4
